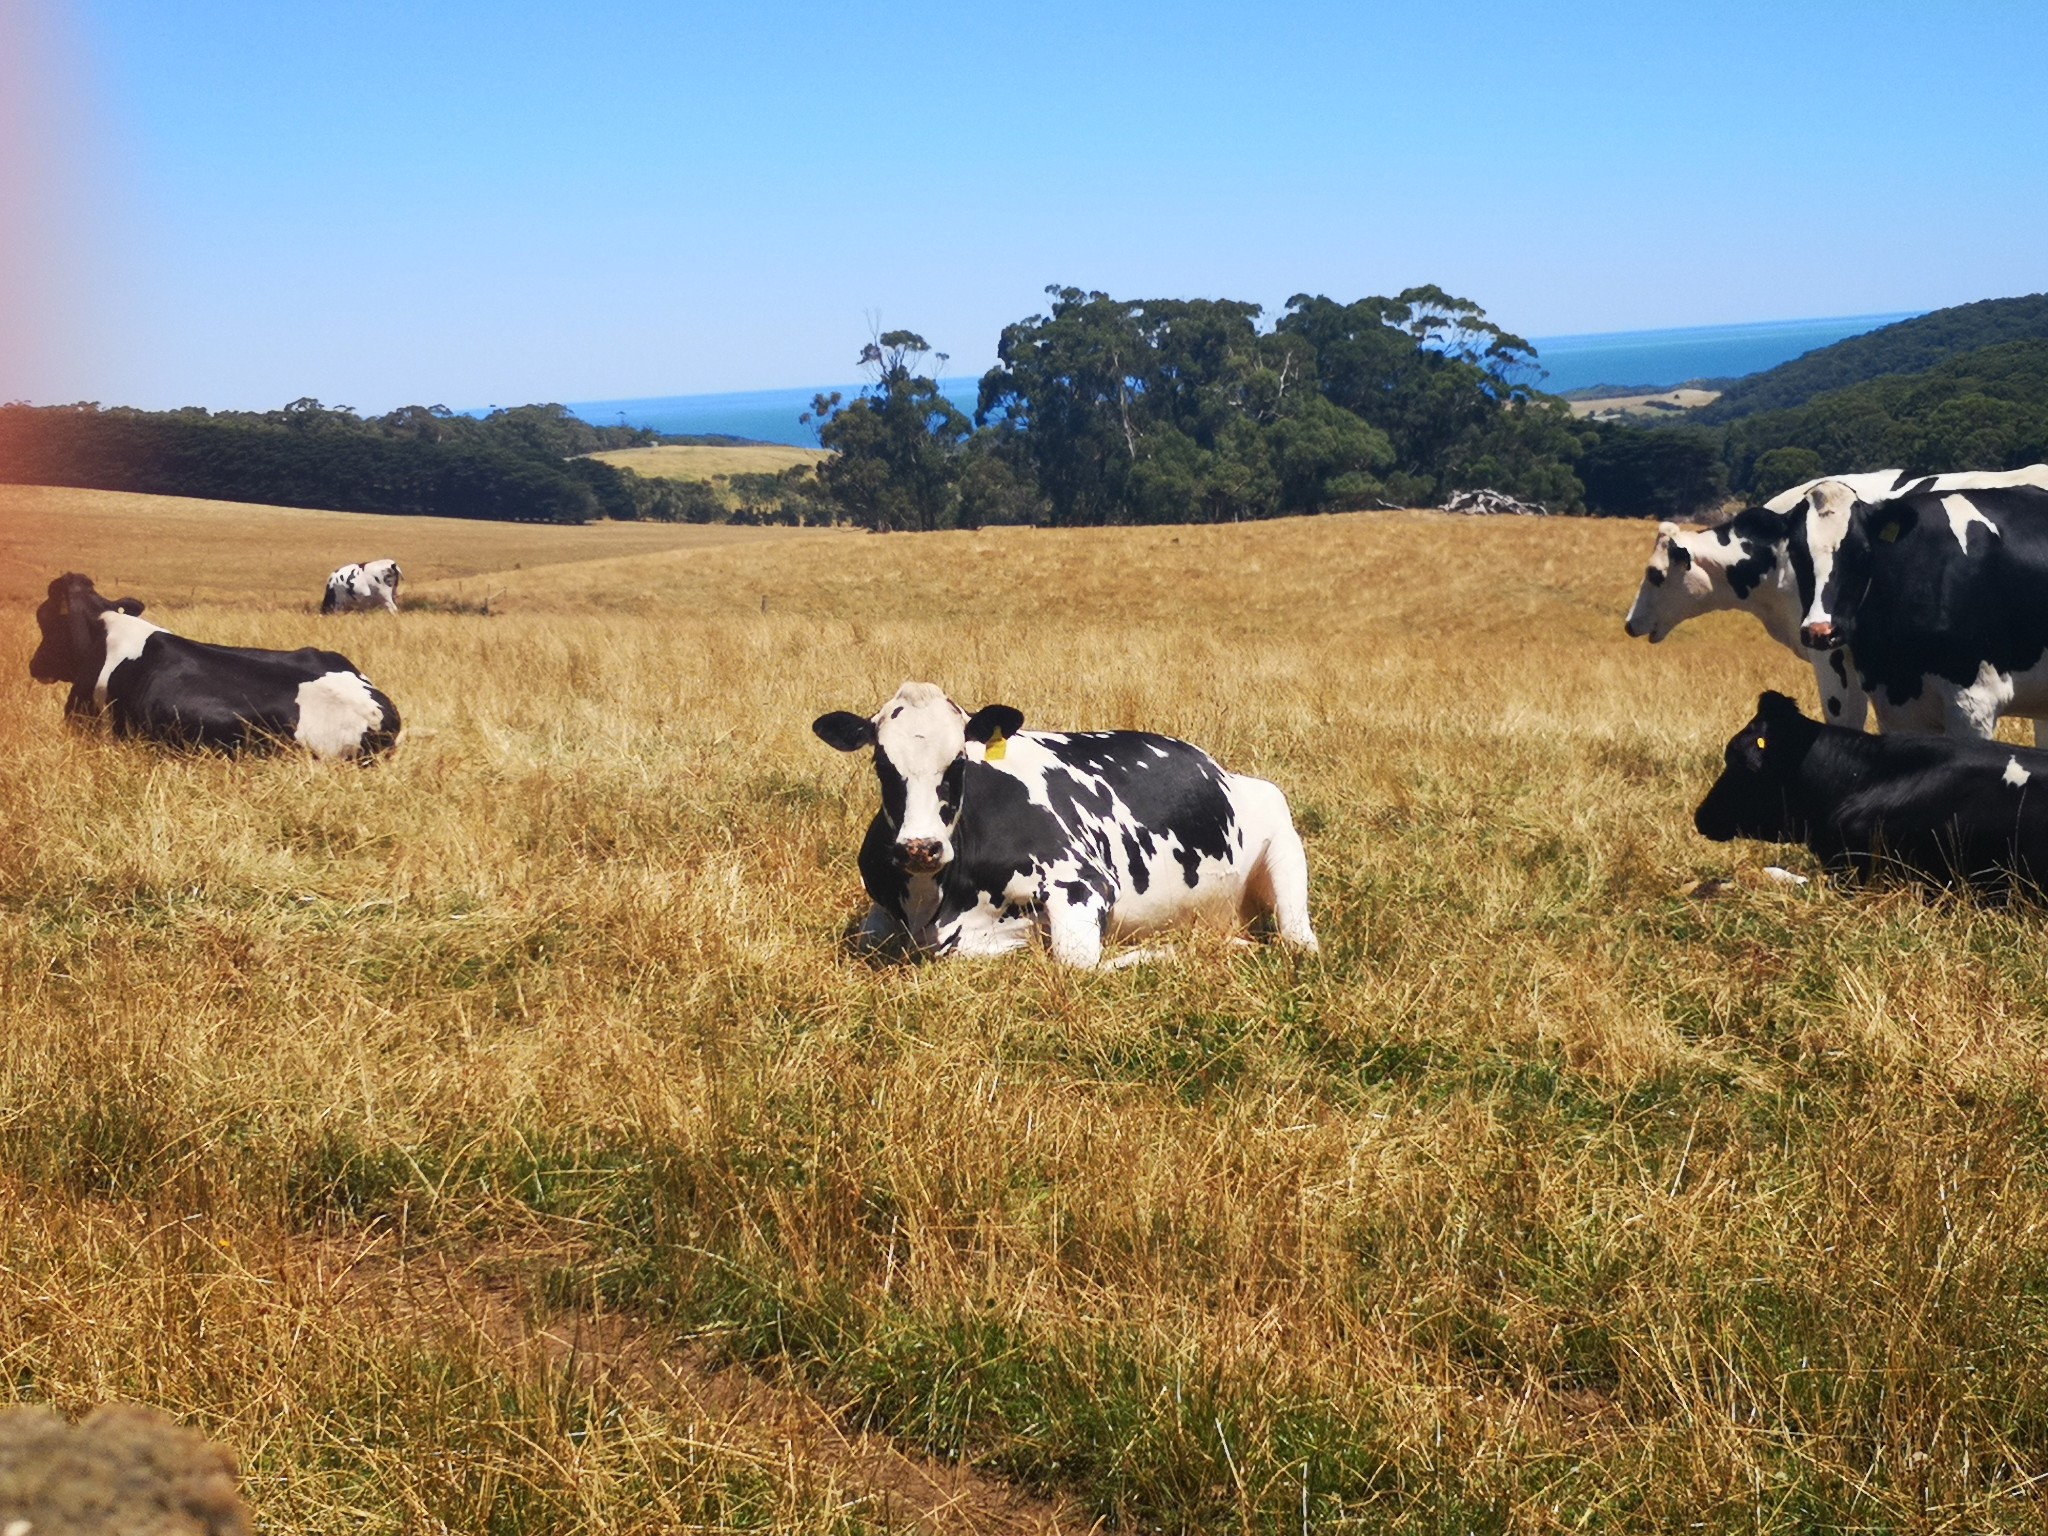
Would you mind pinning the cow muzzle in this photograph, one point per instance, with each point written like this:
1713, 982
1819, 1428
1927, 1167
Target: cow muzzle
921, 855
1820, 637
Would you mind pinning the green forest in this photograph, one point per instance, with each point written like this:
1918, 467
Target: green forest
1112, 411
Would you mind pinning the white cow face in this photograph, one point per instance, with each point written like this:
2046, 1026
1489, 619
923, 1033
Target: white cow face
1830, 509
920, 739
1678, 584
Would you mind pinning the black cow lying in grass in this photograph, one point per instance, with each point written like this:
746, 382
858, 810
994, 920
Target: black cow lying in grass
150, 682
1936, 808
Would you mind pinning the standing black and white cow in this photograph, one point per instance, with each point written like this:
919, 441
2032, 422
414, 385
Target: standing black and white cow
150, 682
1763, 561
988, 834
1930, 807
355, 588
1938, 596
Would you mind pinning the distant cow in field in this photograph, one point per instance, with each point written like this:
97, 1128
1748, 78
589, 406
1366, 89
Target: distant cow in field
988, 834
149, 682
1934, 808
356, 588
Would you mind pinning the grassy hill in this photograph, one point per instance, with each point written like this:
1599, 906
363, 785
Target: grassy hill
502, 1138
1910, 346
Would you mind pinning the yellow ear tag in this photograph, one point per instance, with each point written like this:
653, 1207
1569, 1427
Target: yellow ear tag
1759, 743
998, 744
1889, 533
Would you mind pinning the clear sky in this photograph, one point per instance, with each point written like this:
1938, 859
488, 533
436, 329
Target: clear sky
238, 202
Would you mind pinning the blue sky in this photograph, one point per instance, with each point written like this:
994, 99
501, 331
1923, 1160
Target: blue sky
235, 204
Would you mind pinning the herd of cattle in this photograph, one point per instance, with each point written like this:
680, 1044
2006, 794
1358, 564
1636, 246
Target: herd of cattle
1923, 599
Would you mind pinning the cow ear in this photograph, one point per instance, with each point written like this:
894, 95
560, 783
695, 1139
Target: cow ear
844, 730
993, 720
1667, 530
1773, 705
132, 606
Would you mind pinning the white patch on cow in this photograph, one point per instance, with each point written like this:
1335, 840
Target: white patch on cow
1961, 513
2034, 475
2014, 774
336, 712
1871, 485
126, 636
920, 732
1829, 508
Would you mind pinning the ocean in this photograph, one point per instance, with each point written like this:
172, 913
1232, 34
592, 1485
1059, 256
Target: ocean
1651, 358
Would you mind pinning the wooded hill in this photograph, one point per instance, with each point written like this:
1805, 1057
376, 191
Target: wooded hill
1910, 346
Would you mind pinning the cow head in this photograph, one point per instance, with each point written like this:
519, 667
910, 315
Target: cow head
74, 645
1829, 512
920, 739
1754, 795
1699, 570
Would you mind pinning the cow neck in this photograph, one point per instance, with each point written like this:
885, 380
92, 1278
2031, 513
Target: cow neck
1777, 605
126, 635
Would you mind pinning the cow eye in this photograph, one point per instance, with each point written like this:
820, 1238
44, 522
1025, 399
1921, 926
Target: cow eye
1654, 576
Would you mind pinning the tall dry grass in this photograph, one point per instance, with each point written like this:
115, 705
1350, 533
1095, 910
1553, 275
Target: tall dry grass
1547, 1198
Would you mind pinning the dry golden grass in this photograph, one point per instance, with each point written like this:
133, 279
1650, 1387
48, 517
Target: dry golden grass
710, 461
177, 549
1546, 1199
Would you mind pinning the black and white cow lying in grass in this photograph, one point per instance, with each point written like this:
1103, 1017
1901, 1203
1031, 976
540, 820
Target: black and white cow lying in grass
989, 834
150, 682
1933, 808
356, 588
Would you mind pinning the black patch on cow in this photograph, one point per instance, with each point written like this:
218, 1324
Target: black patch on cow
1840, 664
1834, 706
1761, 534
895, 789
1136, 854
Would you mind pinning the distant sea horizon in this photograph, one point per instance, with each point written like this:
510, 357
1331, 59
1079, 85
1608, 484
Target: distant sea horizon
1658, 359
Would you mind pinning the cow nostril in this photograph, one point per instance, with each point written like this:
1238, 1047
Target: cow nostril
1817, 637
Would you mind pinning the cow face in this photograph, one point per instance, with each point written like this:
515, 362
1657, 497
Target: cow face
920, 741
74, 644
1831, 509
1754, 795
1677, 585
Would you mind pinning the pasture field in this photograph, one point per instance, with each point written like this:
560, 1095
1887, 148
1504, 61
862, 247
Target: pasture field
180, 549
709, 461
501, 1138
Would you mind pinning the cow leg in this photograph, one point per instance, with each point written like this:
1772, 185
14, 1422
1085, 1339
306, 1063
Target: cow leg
1073, 930
878, 931
1277, 885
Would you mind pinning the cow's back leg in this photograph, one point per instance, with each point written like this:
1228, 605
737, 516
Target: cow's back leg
1276, 885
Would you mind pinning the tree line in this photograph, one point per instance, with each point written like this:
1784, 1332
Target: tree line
1111, 411
515, 465
1104, 411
